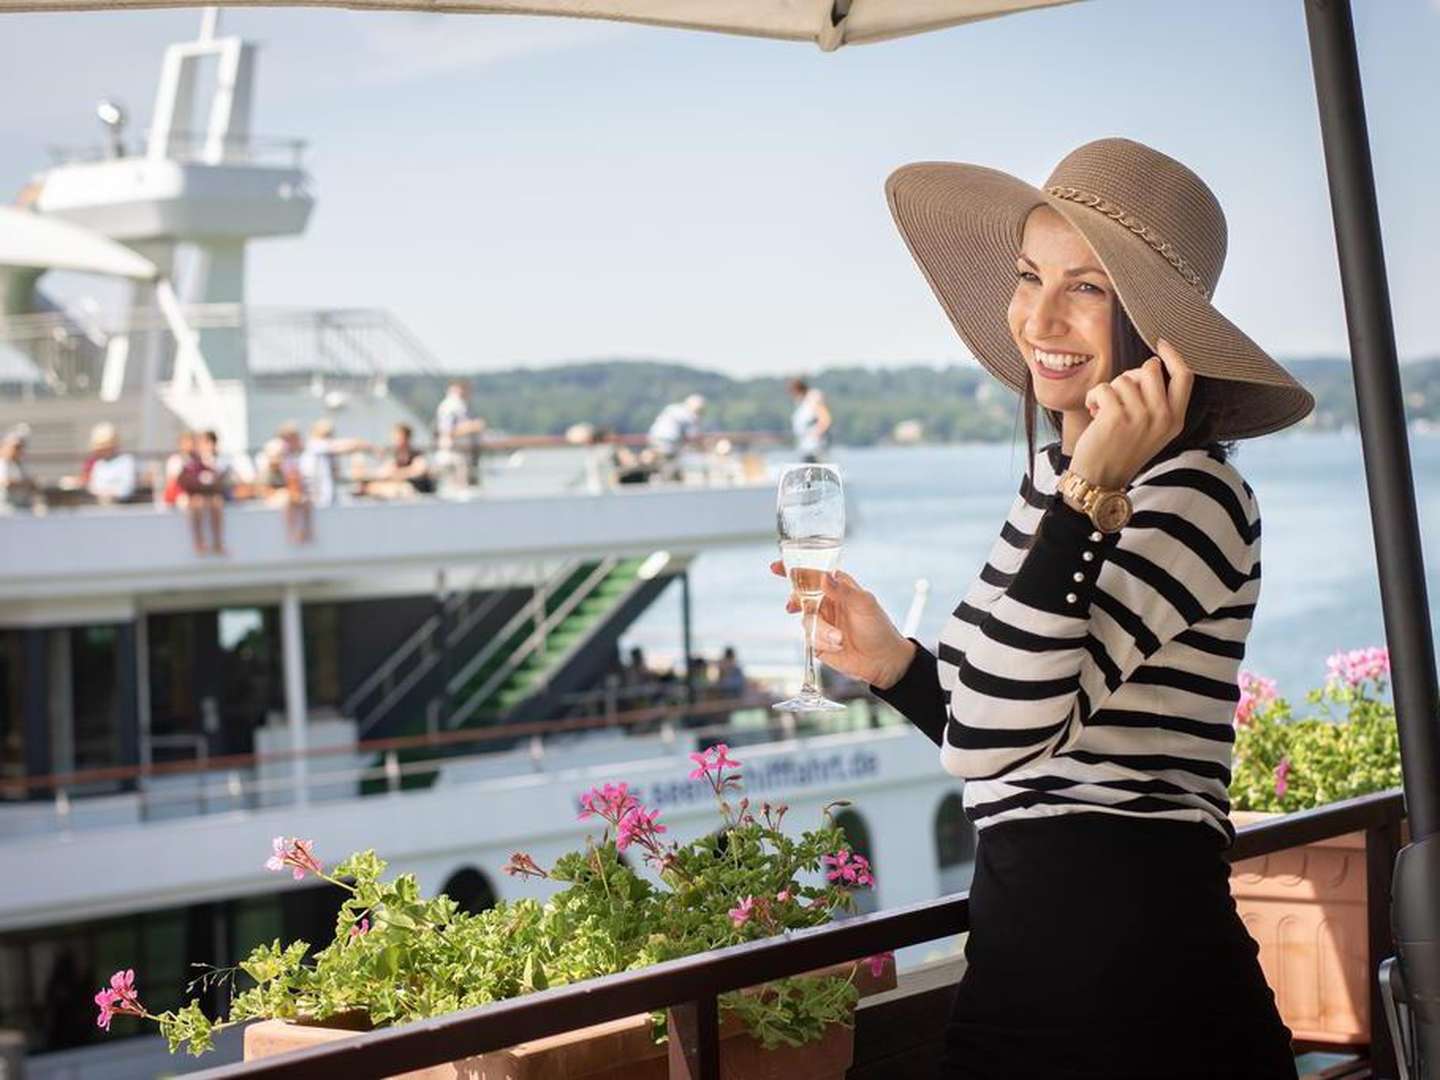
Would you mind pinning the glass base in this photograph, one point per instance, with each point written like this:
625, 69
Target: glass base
811, 702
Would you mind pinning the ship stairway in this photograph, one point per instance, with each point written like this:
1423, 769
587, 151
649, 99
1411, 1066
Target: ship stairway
409, 677
560, 640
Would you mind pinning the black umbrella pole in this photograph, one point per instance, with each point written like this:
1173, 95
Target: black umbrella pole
1416, 914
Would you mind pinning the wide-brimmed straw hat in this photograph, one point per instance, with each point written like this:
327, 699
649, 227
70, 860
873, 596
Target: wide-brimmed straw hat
1158, 232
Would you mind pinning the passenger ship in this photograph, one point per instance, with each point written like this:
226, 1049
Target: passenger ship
432, 678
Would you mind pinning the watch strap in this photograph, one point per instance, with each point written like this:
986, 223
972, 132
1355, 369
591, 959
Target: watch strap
1082, 495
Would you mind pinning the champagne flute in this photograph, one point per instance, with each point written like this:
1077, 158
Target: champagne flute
810, 516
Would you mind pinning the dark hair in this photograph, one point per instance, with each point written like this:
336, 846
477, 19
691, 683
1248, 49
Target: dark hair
1204, 417
408, 431
799, 386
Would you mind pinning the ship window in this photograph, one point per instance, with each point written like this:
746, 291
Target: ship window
251, 685
12, 716
857, 834
322, 654
954, 845
95, 707
257, 920
48, 976
471, 890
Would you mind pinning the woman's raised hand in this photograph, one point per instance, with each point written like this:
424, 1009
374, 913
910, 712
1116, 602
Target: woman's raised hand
1133, 417
853, 634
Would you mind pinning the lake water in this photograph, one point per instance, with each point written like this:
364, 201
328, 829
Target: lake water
933, 512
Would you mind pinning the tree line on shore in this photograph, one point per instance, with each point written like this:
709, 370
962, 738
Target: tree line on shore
956, 403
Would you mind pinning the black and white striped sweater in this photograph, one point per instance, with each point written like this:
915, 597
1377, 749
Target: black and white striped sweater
1085, 672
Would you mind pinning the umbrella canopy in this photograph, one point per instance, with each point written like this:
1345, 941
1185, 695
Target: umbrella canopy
35, 242
828, 23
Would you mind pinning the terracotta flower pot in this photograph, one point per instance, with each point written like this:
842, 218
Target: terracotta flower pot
1306, 909
617, 1050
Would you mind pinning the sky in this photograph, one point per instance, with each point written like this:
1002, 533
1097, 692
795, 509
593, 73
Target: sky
527, 191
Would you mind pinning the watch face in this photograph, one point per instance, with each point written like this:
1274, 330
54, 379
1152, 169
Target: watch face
1112, 511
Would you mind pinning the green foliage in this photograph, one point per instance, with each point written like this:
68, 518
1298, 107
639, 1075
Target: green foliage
1285, 762
793, 1012
398, 956
954, 403
187, 1027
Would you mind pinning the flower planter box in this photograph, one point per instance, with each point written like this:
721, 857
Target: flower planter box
1306, 908
617, 1050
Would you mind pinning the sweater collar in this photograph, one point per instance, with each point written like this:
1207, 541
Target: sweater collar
1058, 460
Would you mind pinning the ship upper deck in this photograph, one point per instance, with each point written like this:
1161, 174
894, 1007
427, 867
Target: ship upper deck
548, 506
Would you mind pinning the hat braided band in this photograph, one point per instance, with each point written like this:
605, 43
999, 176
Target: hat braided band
1139, 228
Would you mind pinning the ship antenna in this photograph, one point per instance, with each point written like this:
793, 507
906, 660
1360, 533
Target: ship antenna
209, 24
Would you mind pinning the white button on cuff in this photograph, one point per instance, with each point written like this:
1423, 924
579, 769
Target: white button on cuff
1077, 577
1071, 598
1096, 537
1088, 556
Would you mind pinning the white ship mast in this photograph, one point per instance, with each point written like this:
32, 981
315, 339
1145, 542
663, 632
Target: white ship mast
203, 189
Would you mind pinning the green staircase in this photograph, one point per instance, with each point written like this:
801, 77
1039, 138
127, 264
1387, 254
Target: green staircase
516, 666
506, 680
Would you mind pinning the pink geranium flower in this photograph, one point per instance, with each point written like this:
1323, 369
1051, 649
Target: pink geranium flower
1358, 666
879, 962
716, 759
609, 803
1282, 778
862, 870
360, 930
522, 865
848, 868
638, 826
740, 914
118, 999
1255, 692
297, 854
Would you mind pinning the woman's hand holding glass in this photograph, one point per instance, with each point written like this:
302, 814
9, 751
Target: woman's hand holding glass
853, 634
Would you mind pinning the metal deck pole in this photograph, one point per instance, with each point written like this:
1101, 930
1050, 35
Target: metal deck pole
1381, 405
686, 639
1416, 907
292, 651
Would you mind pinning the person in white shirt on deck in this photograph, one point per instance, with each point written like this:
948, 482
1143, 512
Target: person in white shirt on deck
457, 436
676, 426
18, 491
112, 476
319, 461
810, 421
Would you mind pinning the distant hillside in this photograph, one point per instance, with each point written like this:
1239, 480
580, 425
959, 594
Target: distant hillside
952, 404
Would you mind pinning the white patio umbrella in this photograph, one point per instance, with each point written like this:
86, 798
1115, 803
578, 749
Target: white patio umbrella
828, 23
833, 23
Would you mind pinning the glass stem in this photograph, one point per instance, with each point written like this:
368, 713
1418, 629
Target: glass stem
810, 617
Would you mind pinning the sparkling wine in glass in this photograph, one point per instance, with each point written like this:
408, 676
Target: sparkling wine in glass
810, 517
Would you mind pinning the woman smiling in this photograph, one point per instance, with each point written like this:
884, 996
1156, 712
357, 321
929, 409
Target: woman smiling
1085, 685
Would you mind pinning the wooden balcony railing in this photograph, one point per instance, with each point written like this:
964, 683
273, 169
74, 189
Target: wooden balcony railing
898, 1035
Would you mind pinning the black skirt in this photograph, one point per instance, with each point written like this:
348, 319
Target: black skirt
1107, 947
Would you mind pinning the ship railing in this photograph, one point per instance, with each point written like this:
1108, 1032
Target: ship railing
66, 353
159, 791
896, 1033
505, 464
191, 147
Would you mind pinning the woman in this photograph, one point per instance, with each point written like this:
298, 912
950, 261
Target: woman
1085, 686
405, 472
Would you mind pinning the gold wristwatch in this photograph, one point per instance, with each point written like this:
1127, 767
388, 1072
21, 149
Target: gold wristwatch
1109, 511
